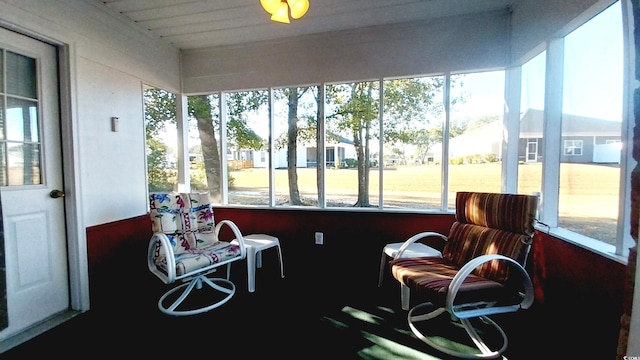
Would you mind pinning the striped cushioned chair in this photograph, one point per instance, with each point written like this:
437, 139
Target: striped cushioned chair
185, 247
481, 271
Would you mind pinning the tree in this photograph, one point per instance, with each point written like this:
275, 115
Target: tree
292, 141
239, 105
354, 109
299, 129
161, 178
200, 108
159, 111
424, 140
203, 109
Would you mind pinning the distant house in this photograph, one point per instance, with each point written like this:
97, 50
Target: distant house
335, 154
584, 140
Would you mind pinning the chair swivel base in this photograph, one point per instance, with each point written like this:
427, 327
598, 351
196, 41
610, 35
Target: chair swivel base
225, 287
452, 347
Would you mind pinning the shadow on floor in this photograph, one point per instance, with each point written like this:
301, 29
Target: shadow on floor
290, 317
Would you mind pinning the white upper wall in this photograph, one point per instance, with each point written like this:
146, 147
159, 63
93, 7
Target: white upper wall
110, 61
419, 48
475, 42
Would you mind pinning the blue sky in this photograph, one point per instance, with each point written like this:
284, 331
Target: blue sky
593, 69
593, 74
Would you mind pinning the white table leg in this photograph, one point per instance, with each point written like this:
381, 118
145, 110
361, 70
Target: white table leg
280, 260
251, 268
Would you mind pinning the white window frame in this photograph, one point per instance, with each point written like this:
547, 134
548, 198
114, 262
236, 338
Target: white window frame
573, 147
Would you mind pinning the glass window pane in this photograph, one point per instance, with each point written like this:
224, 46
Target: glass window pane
22, 120
23, 148
204, 145
24, 164
3, 164
413, 112
531, 125
2, 122
162, 140
296, 123
21, 75
591, 127
351, 133
475, 141
2, 54
247, 147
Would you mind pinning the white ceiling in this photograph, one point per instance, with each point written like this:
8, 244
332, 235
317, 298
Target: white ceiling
190, 24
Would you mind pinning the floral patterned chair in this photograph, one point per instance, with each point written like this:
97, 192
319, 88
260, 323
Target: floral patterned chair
481, 273
185, 247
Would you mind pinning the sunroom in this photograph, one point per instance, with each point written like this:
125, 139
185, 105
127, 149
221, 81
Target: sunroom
531, 97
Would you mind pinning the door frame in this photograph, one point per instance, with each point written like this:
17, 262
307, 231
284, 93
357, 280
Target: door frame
76, 230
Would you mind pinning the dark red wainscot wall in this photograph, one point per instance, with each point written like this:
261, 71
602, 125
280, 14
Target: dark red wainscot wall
582, 291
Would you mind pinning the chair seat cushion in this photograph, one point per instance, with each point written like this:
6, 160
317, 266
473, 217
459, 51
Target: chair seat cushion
197, 258
430, 277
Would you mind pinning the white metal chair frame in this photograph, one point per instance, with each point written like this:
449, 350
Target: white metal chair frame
465, 311
197, 278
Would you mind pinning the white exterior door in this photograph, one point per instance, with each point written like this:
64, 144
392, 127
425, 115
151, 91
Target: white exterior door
37, 281
532, 150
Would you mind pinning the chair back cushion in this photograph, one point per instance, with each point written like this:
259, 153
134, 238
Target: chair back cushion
186, 218
488, 223
509, 212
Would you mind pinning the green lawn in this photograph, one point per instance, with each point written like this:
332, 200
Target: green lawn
588, 193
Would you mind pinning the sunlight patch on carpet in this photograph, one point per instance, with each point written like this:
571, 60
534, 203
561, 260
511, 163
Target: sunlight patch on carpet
336, 323
384, 348
362, 315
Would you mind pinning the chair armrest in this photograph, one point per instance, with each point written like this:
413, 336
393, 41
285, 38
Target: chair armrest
236, 232
461, 275
415, 238
166, 246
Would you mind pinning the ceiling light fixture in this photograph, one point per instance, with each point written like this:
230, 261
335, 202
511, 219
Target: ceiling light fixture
279, 9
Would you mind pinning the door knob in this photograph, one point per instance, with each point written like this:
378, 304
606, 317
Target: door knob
56, 193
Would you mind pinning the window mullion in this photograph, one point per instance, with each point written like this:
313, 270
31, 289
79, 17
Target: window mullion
513, 86
552, 131
184, 183
380, 144
445, 142
224, 173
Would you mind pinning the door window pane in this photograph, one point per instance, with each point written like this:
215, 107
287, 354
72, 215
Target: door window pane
22, 120
19, 122
24, 164
21, 75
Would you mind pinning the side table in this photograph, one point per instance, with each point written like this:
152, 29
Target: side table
255, 243
415, 249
